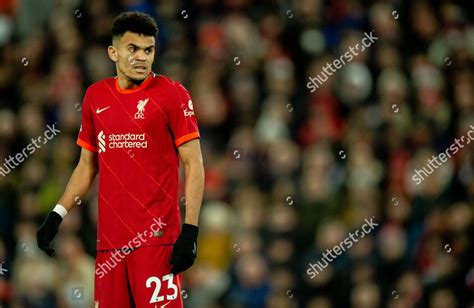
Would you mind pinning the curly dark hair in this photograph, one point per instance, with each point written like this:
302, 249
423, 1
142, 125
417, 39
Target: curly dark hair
135, 22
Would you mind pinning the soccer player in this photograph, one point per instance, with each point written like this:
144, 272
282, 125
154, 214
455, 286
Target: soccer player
135, 127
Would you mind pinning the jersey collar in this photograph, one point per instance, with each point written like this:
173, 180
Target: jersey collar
133, 90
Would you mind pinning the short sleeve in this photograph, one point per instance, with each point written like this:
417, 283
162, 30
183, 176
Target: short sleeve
86, 138
181, 116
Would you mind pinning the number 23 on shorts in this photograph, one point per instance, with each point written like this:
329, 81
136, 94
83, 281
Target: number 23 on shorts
155, 282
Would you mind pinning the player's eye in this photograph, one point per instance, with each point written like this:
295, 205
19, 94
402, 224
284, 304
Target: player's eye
132, 49
148, 50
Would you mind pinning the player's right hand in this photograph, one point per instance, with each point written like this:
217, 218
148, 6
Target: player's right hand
47, 232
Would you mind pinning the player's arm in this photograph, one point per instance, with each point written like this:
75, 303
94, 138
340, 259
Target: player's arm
190, 153
78, 185
81, 179
185, 248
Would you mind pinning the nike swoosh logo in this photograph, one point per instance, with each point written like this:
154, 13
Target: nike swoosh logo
165, 304
100, 110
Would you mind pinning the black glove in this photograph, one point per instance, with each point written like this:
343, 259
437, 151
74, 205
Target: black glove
47, 232
185, 249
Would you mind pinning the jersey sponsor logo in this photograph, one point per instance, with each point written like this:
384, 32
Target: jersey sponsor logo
141, 109
101, 139
186, 112
102, 109
121, 141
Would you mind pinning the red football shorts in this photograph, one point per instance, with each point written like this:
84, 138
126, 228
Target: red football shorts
138, 278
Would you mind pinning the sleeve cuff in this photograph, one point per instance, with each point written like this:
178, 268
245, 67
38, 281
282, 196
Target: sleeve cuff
86, 145
186, 138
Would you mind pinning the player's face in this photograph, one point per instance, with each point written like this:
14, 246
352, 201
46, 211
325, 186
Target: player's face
133, 54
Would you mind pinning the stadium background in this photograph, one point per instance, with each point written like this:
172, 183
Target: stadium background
288, 172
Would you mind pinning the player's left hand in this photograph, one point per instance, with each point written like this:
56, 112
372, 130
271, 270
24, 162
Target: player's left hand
185, 249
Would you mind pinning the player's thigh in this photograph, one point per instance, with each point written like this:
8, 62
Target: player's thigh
150, 278
111, 287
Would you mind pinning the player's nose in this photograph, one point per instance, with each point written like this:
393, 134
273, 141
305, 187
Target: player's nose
141, 56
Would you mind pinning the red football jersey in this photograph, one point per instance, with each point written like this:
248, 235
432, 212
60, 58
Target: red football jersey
136, 133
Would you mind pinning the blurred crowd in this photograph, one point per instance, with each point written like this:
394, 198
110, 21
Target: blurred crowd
289, 173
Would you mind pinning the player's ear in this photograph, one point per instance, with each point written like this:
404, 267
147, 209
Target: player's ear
112, 51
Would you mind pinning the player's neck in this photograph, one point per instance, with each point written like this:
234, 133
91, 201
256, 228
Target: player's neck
127, 84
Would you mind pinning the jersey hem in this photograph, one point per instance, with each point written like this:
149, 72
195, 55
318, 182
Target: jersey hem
169, 241
134, 248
